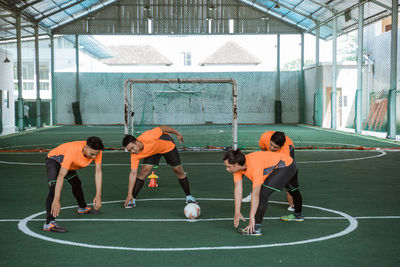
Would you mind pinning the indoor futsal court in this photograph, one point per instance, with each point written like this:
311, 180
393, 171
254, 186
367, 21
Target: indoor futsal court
221, 73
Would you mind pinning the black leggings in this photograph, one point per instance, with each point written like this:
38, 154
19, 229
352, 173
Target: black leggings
75, 182
278, 179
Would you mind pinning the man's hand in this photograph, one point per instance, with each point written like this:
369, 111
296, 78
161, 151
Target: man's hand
237, 218
55, 208
180, 137
97, 203
250, 228
128, 198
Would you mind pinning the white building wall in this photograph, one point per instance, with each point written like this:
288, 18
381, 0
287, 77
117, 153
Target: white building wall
310, 90
6, 87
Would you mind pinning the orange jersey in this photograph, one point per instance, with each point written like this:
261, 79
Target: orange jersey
152, 145
70, 155
260, 164
265, 139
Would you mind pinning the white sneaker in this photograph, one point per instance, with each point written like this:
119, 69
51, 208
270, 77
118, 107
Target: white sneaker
247, 199
290, 208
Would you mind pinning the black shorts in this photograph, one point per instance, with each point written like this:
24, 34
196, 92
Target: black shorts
171, 157
279, 178
53, 169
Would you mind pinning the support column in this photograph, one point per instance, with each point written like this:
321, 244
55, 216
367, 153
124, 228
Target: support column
392, 120
37, 70
318, 110
302, 92
334, 65
358, 117
76, 105
20, 110
278, 103
53, 113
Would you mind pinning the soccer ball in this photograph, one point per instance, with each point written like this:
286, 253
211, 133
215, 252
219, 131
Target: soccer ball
192, 211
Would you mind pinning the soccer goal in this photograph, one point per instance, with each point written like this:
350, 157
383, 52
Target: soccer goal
203, 110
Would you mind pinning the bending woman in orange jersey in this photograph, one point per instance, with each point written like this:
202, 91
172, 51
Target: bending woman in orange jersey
269, 172
62, 163
150, 146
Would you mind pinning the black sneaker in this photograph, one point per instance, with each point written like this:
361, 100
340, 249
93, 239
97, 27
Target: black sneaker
88, 210
54, 227
256, 232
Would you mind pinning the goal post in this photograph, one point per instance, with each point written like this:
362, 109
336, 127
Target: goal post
202, 109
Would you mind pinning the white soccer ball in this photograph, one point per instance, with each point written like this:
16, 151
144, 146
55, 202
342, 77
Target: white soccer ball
192, 211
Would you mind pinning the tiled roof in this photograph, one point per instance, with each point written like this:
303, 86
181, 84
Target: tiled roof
136, 55
231, 53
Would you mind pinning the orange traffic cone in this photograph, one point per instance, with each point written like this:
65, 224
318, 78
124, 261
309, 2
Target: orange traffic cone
153, 179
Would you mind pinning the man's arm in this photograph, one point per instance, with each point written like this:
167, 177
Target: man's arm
255, 199
132, 180
98, 177
238, 191
169, 129
56, 206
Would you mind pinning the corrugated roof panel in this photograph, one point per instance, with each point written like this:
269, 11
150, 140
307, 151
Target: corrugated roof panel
91, 46
307, 23
325, 32
295, 17
309, 6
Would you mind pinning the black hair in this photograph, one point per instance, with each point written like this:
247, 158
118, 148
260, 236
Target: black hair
278, 138
95, 143
234, 156
128, 139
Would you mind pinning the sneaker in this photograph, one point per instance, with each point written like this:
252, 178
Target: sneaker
247, 199
292, 218
256, 232
190, 199
54, 227
88, 210
131, 204
290, 208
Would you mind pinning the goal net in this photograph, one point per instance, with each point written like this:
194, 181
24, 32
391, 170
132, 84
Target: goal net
203, 110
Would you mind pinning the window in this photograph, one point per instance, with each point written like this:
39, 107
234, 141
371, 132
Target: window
27, 86
187, 58
44, 86
44, 70
231, 26
345, 101
27, 70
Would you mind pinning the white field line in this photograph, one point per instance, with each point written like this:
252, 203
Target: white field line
197, 220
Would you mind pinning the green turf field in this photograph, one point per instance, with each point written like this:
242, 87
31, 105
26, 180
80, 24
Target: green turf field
350, 206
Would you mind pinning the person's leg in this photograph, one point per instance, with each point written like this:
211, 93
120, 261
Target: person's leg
147, 166
77, 191
53, 168
144, 171
293, 189
173, 159
265, 193
49, 201
274, 182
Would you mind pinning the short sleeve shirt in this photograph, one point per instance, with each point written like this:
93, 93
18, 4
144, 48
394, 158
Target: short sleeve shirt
259, 165
265, 139
152, 145
71, 157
